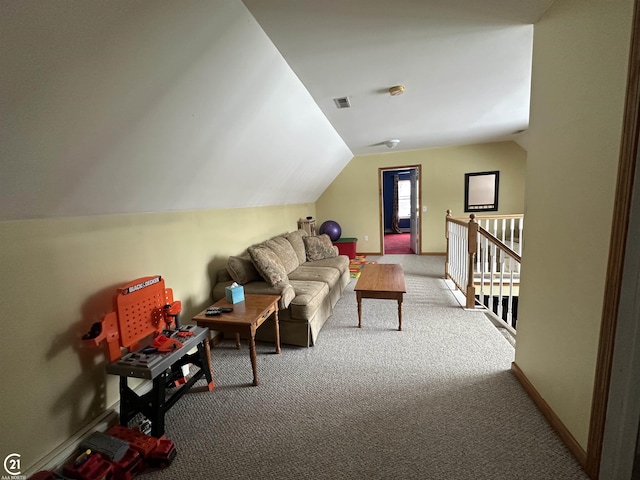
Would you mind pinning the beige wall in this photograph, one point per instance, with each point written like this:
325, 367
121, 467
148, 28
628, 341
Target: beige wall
578, 85
353, 198
59, 276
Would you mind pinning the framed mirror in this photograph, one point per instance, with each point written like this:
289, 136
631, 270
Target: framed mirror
481, 191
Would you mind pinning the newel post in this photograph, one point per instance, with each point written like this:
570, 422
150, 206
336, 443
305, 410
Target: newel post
472, 243
446, 234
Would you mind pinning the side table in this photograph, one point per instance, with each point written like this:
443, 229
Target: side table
245, 319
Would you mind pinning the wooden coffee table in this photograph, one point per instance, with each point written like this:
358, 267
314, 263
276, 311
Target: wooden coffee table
245, 319
380, 280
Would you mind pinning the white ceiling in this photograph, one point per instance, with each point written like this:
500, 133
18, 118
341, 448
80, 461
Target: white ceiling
466, 66
158, 106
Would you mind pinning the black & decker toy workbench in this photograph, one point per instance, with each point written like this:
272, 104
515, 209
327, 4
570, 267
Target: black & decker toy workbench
145, 322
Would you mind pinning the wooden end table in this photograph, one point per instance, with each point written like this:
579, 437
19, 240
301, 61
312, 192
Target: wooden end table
380, 280
245, 319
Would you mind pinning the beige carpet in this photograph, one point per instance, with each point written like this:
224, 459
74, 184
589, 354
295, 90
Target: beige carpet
435, 401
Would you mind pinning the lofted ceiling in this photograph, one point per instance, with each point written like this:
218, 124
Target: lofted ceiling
158, 106
466, 66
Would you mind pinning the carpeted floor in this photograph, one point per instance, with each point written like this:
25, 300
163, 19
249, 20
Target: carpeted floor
397, 243
435, 401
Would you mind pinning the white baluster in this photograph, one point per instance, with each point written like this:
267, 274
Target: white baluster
483, 270
510, 304
511, 224
501, 282
493, 271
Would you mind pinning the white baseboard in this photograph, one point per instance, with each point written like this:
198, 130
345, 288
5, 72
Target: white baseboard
459, 296
67, 449
60, 455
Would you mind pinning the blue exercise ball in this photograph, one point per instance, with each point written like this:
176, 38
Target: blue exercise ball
332, 229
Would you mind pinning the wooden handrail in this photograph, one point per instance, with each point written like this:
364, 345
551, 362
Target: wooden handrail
500, 244
469, 255
499, 217
459, 221
490, 217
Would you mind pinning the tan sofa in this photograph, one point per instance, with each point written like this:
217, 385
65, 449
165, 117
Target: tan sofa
306, 271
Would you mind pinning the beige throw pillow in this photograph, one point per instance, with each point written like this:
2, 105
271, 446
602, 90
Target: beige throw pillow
295, 239
242, 270
319, 247
269, 265
285, 252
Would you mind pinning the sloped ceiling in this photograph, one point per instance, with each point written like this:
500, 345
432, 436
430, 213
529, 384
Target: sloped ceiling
127, 107
466, 66
157, 105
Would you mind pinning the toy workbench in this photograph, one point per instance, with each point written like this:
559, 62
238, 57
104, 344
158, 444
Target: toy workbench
145, 323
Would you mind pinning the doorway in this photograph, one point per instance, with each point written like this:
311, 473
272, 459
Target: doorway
400, 200
621, 439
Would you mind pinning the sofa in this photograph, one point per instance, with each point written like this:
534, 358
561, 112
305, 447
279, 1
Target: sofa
305, 270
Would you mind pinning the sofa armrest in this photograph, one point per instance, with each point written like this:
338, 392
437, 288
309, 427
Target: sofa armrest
218, 289
222, 275
287, 293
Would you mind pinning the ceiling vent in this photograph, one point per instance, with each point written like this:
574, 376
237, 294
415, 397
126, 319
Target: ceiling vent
342, 102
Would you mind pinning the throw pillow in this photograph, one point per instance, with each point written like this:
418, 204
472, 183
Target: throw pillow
319, 247
285, 252
269, 265
242, 270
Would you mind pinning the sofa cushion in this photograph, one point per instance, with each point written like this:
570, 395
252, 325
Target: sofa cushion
269, 265
242, 270
319, 247
327, 275
341, 262
285, 252
308, 299
295, 239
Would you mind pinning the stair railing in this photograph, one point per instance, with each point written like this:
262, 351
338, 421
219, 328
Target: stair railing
484, 261
461, 249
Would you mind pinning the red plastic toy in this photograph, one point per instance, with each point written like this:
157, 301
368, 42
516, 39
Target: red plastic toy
155, 452
89, 467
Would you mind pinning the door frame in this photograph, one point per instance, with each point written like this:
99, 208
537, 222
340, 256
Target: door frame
607, 388
622, 424
414, 217
381, 170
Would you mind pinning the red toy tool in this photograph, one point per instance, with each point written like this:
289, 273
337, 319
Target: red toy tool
166, 344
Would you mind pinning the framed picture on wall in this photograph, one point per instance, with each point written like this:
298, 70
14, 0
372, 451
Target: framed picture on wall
481, 191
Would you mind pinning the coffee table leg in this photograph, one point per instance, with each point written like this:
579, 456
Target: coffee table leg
252, 352
275, 319
400, 314
359, 297
238, 341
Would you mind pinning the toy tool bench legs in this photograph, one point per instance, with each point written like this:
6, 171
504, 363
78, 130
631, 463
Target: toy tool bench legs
146, 323
165, 370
